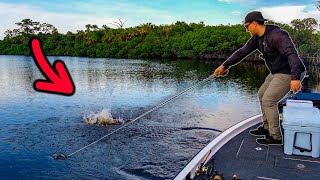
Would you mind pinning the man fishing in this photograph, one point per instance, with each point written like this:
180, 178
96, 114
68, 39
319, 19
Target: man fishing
285, 66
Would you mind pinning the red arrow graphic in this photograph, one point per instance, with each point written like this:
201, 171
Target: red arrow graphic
58, 79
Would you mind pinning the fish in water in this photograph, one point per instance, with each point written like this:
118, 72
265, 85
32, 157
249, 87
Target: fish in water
59, 156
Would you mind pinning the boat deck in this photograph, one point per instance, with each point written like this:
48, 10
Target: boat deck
243, 157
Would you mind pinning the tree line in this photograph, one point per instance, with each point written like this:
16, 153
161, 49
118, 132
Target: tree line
174, 41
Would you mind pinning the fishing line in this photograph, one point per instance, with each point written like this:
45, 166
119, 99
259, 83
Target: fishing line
61, 156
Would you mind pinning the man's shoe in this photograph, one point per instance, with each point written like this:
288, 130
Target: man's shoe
259, 132
268, 140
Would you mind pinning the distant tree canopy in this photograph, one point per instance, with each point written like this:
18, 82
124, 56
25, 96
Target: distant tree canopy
309, 24
178, 40
28, 27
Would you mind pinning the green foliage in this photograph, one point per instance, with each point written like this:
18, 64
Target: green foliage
178, 40
309, 24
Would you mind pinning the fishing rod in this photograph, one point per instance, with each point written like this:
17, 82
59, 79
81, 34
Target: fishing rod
62, 156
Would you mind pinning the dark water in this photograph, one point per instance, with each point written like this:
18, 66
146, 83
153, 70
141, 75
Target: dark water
36, 125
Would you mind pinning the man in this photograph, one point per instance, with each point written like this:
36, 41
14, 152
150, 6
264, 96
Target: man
284, 64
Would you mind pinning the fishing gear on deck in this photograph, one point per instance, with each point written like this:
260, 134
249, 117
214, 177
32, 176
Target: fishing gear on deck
210, 173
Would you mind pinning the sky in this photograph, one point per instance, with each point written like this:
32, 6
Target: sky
73, 15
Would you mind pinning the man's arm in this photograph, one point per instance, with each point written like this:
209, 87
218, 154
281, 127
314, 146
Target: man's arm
286, 47
241, 53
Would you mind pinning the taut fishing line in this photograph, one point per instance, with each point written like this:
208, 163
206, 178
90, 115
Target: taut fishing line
62, 156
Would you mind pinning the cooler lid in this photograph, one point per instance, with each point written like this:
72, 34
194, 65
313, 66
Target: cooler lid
301, 116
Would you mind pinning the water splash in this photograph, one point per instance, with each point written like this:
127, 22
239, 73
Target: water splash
102, 118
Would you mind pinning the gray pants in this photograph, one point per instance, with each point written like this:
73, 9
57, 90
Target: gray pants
270, 93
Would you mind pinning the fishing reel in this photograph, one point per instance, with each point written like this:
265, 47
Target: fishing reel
218, 176
305, 84
210, 173
207, 173
202, 170
202, 173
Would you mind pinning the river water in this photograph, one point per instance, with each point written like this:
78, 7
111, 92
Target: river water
35, 125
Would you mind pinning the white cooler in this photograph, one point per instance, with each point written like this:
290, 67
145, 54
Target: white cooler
301, 124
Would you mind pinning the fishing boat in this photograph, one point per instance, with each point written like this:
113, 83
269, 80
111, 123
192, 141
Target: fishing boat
234, 154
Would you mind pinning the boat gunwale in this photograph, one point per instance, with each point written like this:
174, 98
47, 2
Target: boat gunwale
205, 154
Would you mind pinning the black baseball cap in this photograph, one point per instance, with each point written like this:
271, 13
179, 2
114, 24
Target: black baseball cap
254, 16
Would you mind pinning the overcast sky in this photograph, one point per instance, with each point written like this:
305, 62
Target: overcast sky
73, 15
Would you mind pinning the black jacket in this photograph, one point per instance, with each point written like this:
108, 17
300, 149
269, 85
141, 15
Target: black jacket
279, 52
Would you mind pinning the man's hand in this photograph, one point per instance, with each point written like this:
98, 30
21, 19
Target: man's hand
295, 85
220, 71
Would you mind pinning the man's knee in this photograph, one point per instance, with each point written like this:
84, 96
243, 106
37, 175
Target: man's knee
260, 95
268, 101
